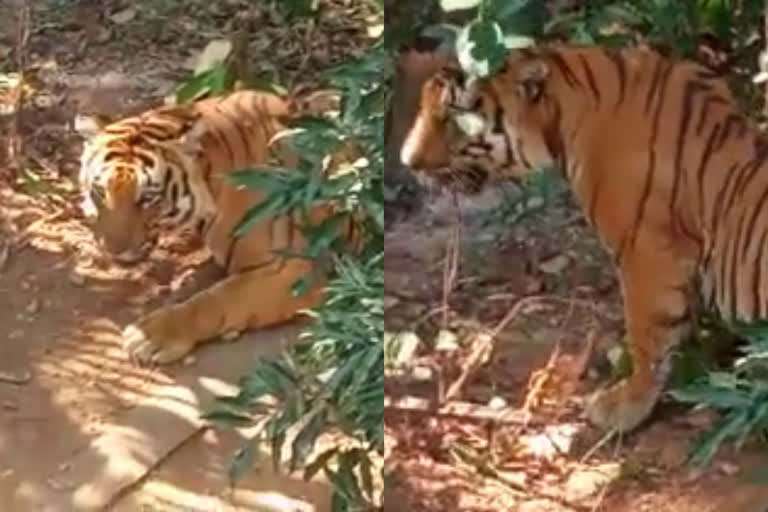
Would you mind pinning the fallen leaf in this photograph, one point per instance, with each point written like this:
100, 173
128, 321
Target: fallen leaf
214, 53
123, 16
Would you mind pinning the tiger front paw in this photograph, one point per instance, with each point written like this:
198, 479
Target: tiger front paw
144, 348
621, 407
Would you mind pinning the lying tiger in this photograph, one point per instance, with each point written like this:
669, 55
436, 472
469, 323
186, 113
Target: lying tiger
169, 167
665, 166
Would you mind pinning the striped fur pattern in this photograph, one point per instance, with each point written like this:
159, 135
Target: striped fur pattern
168, 167
665, 166
164, 166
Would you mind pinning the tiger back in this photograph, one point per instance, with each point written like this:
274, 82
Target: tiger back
664, 165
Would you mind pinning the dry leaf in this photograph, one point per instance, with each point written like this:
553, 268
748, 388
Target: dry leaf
123, 16
214, 52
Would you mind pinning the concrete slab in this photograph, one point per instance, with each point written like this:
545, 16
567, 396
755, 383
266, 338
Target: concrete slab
142, 437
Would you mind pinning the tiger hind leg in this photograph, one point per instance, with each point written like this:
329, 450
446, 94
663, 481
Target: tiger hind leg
251, 299
657, 314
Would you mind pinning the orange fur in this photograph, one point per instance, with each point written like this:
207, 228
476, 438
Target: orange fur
177, 159
664, 165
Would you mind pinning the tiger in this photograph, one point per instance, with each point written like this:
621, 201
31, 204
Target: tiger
665, 166
168, 167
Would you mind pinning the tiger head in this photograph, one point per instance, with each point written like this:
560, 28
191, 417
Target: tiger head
469, 130
124, 180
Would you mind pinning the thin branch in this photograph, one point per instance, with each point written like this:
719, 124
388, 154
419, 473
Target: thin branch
15, 140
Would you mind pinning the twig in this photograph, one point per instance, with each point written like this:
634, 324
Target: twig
540, 378
308, 36
15, 141
460, 410
16, 379
483, 347
451, 265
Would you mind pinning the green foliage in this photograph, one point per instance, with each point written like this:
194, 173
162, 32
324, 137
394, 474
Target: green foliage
740, 393
214, 81
498, 26
329, 390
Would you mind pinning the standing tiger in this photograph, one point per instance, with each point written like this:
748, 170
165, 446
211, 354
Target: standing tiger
662, 162
169, 167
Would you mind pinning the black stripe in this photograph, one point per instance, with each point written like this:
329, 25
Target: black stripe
590, 78
657, 77
749, 170
631, 237
758, 209
570, 77
718, 205
618, 60
733, 265
238, 128
757, 277
222, 141
708, 147
704, 110
691, 89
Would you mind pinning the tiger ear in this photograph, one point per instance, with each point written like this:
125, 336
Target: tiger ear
531, 79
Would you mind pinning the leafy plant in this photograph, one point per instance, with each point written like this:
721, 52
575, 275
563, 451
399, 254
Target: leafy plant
331, 386
740, 393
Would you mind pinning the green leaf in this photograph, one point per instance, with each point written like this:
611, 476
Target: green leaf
706, 448
304, 442
228, 418
715, 397
480, 48
242, 462
270, 207
215, 81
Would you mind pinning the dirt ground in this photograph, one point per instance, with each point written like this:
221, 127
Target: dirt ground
516, 441
66, 391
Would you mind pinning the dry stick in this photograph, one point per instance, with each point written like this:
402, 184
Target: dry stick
467, 411
451, 264
15, 142
483, 341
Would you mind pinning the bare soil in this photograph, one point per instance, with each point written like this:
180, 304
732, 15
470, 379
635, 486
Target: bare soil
551, 353
63, 377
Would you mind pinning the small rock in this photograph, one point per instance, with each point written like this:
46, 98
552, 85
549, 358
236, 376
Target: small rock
189, 360
588, 482
123, 16
555, 265
555, 440
230, 336
728, 468
422, 373
33, 307
10, 405
497, 403
446, 341
77, 279
406, 342
16, 334
700, 419
390, 301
